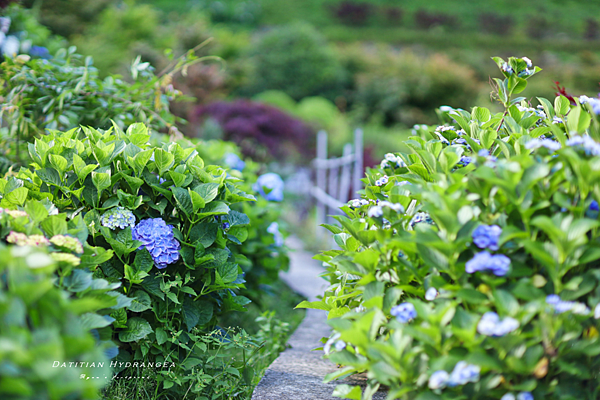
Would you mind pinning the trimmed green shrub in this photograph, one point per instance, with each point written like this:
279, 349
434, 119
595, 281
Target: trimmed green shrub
297, 60
469, 269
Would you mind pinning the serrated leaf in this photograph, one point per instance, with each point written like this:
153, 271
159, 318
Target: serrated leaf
17, 196
208, 191
184, 201
137, 328
141, 301
163, 160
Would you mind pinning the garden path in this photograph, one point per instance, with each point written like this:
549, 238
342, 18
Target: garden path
298, 372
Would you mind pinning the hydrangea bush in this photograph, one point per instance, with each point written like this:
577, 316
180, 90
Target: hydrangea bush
469, 269
263, 254
161, 211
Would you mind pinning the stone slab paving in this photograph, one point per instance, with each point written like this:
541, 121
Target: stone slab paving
298, 372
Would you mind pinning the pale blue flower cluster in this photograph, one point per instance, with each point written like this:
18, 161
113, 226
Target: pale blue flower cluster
491, 325
498, 264
592, 101
589, 145
392, 160
382, 181
375, 212
431, 294
118, 217
273, 229
404, 312
490, 160
487, 236
561, 306
420, 217
357, 203
520, 396
402, 183
270, 186
334, 342
233, 161
462, 374
157, 237
550, 144
556, 120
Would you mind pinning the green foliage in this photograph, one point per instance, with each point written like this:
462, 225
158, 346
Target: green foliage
43, 330
297, 60
418, 231
67, 18
261, 256
66, 91
85, 173
404, 87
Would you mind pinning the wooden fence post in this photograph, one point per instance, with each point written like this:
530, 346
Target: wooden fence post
321, 179
358, 163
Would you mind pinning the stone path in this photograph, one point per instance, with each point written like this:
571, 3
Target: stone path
298, 372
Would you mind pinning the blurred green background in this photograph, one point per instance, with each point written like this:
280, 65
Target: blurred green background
383, 65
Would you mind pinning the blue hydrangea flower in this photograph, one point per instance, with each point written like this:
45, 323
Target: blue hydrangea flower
39, 52
431, 294
498, 264
402, 183
157, 237
404, 312
589, 145
463, 373
483, 153
561, 306
487, 236
508, 396
594, 206
233, 161
525, 396
118, 217
550, 144
273, 229
491, 325
270, 186
438, 380
225, 225
464, 161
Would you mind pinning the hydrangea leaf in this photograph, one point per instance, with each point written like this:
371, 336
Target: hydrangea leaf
137, 328
141, 301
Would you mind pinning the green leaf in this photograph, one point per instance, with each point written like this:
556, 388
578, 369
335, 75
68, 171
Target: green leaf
36, 211
164, 160
49, 176
184, 201
17, 196
139, 161
55, 225
101, 180
214, 208
208, 191
161, 336
561, 105
58, 162
137, 328
316, 305
197, 200
141, 301
177, 178
93, 321
204, 233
